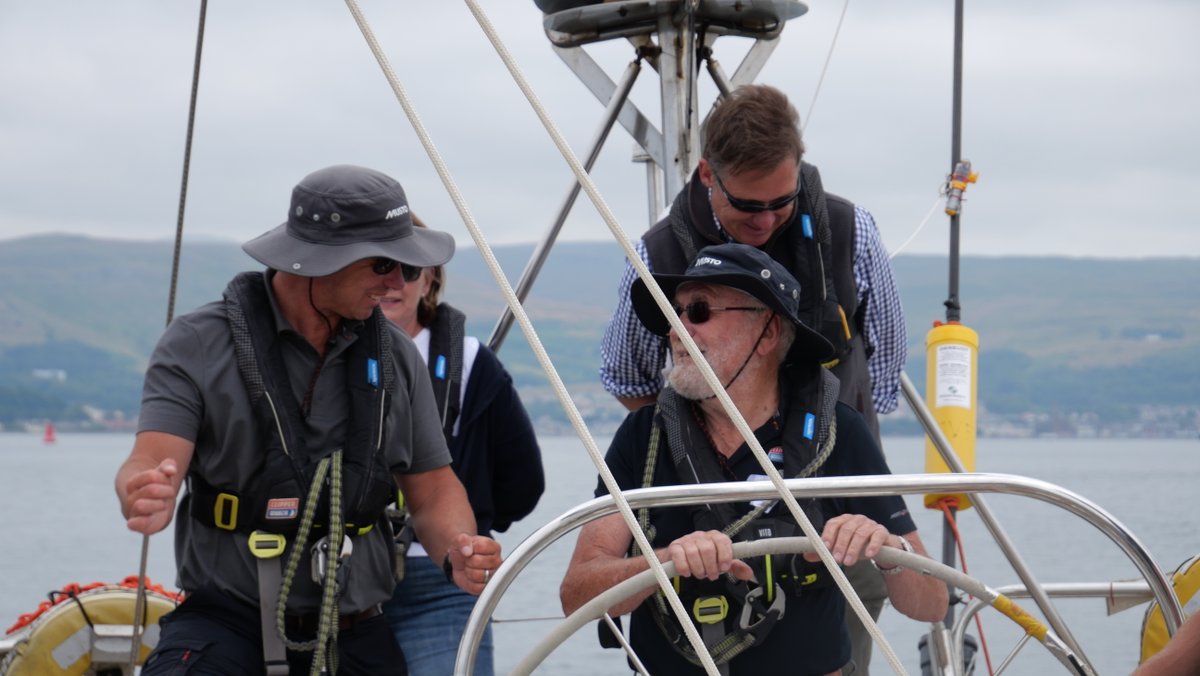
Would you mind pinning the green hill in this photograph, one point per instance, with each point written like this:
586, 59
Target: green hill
79, 317
1072, 312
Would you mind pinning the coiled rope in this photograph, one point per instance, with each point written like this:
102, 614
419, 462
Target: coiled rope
324, 644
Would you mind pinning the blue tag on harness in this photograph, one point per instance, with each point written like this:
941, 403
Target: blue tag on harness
810, 425
440, 369
806, 225
372, 372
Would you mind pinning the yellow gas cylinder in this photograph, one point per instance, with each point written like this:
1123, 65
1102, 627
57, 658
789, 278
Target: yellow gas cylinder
951, 380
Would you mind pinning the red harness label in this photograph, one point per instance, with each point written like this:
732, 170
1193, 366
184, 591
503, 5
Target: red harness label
283, 508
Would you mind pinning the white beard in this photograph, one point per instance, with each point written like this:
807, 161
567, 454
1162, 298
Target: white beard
684, 375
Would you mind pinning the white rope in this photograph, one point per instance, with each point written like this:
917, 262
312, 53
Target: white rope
921, 226
824, 67
597, 458
527, 328
665, 306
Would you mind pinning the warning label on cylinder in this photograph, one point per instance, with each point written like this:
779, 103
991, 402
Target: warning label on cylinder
953, 376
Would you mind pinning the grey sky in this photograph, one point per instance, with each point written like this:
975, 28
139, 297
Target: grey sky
1080, 117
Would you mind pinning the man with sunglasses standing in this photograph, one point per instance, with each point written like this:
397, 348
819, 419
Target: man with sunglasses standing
293, 409
782, 614
751, 187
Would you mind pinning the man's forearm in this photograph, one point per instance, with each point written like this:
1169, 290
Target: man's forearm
920, 597
588, 580
439, 509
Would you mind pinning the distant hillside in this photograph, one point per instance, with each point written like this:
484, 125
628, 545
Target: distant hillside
1076, 312
79, 317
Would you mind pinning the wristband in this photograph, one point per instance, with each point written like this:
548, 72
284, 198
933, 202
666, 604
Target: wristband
448, 568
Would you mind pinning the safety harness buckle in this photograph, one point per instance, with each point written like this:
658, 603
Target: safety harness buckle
265, 545
710, 609
225, 511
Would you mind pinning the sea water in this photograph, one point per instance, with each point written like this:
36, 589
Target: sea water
64, 525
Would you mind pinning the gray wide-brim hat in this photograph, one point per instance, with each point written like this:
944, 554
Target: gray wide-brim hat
742, 267
342, 214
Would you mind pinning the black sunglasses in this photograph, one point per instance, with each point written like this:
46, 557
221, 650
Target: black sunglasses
384, 266
700, 311
753, 206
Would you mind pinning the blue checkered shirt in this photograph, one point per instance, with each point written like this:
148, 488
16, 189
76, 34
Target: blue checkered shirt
632, 358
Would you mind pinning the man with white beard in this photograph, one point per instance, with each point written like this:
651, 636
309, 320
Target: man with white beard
741, 307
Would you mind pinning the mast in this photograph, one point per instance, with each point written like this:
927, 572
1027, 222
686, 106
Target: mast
953, 308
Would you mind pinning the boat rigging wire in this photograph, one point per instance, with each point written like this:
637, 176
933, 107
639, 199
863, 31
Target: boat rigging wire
825, 67
709, 377
519, 620
139, 604
921, 226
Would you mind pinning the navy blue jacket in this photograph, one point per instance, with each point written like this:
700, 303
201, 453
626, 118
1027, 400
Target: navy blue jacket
496, 454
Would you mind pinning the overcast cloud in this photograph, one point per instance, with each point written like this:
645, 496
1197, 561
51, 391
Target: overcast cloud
1080, 117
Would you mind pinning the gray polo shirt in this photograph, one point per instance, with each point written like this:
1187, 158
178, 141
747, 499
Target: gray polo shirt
193, 390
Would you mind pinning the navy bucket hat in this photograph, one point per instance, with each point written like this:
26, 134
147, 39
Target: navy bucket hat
342, 214
744, 268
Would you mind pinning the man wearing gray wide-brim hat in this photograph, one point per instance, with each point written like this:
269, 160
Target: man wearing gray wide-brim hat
290, 395
342, 214
763, 615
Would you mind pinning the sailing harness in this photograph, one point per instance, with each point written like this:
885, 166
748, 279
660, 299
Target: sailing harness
734, 615
445, 364
446, 336
351, 485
